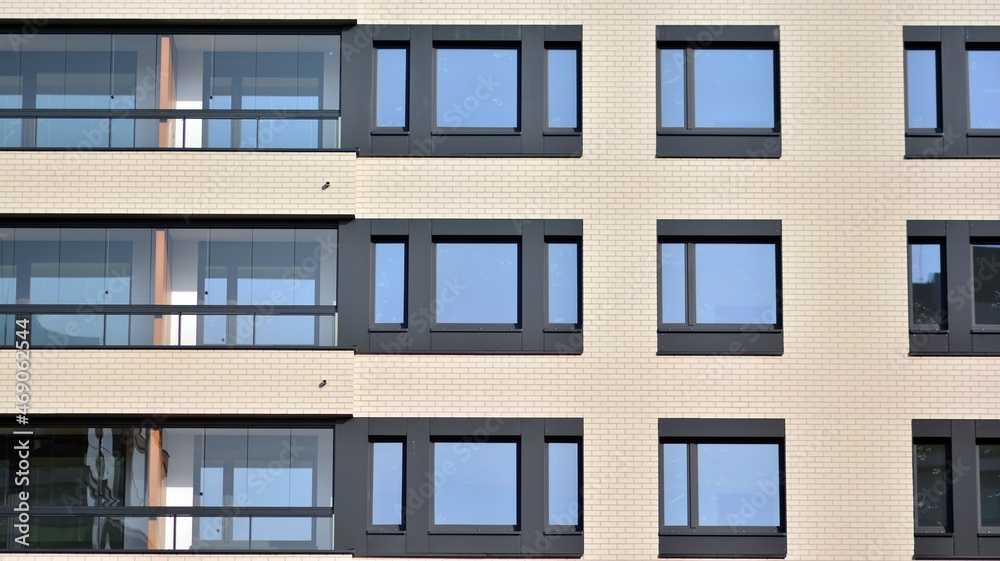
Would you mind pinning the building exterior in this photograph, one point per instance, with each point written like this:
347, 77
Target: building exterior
637, 279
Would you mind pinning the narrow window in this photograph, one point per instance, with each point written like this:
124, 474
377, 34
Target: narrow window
921, 89
563, 283
927, 284
563, 484
562, 81
391, 83
390, 283
388, 480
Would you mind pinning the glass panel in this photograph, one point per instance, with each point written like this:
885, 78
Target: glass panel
67, 330
564, 483
562, 82
134, 72
391, 84
477, 283
477, 88
390, 282
736, 283
932, 492
73, 133
672, 88
10, 90
986, 260
733, 476
927, 286
675, 484
224, 451
284, 330
10, 133
734, 88
564, 287
288, 134
315, 268
8, 275
80, 467
387, 483
673, 283
984, 89
475, 483
921, 89
989, 483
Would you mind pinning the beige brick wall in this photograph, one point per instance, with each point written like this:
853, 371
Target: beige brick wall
842, 189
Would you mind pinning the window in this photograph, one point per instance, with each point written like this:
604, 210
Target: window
474, 286
718, 92
951, 91
495, 487
195, 285
276, 90
137, 486
956, 489
722, 491
446, 90
954, 282
720, 287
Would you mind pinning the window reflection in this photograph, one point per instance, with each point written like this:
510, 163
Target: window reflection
477, 88
479, 486
477, 283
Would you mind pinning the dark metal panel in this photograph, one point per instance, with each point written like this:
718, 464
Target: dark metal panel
563, 343
356, 87
931, 146
926, 228
390, 145
421, 86
980, 33
933, 547
556, 545
965, 493
568, 228
353, 269
476, 32
929, 343
563, 33
385, 426
472, 343
564, 427
989, 547
350, 495
958, 272
563, 145
476, 145
472, 227
390, 33
384, 545
987, 429
389, 341
708, 35
390, 227
474, 545
532, 477
954, 92
420, 293
419, 486
533, 266
984, 229
532, 98
736, 343
762, 546
718, 228
721, 428
921, 33
983, 147
478, 428
764, 145
930, 428
986, 343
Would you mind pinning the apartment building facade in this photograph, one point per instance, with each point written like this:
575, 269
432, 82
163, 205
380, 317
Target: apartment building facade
549, 279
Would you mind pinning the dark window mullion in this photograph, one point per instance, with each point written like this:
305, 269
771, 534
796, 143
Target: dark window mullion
689, 122
689, 289
692, 478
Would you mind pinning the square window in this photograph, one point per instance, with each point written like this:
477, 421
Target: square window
722, 491
718, 277
477, 87
391, 86
477, 282
477, 484
717, 97
562, 80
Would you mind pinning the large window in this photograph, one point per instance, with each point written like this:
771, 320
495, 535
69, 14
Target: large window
718, 91
954, 269
170, 286
446, 90
951, 92
956, 489
720, 287
197, 90
143, 487
722, 491
475, 286
495, 487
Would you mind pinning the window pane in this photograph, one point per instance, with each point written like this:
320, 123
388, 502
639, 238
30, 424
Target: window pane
562, 84
927, 286
921, 89
986, 266
673, 283
475, 483
736, 283
984, 89
564, 290
671, 87
564, 483
387, 483
734, 88
477, 283
932, 489
390, 81
675, 485
730, 476
477, 88
390, 282
989, 483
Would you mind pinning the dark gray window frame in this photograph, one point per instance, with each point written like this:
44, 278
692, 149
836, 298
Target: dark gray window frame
966, 539
737, 542
756, 339
421, 137
958, 333
420, 334
420, 538
692, 142
954, 137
